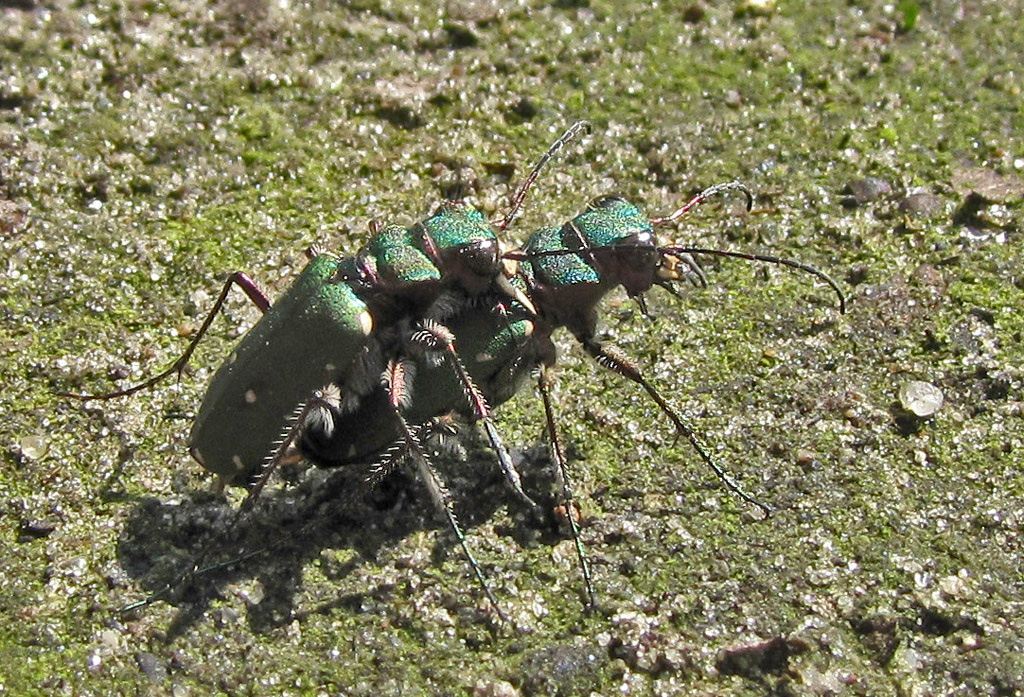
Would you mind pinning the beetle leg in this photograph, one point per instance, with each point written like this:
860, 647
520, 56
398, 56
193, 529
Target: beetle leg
562, 473
439, 434
614, 360
238, 278
394, 382
319, 410
434, 336
319, 407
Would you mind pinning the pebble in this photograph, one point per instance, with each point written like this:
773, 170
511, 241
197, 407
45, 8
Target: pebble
920, 398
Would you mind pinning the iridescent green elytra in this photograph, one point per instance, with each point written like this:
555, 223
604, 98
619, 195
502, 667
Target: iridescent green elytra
308, 338
313, 335
320, 331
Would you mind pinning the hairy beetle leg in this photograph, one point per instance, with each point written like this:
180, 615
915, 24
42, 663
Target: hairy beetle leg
239, 278
568, 501
394, 382
320, 406
283, 451
613, 359
434, 336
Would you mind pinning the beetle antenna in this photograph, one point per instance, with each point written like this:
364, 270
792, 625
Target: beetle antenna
701, 197
680, 252
683, 253
517, 201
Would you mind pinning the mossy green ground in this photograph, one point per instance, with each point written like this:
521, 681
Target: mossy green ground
147, 149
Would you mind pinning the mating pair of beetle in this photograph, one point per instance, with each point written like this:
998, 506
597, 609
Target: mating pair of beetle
429, 320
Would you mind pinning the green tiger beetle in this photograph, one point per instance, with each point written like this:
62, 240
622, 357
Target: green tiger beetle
377, 334
565, 272
326, 321
337, 324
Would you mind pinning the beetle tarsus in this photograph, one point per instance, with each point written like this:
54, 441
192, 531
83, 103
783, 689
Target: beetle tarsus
611, 358
562, 475
238, 278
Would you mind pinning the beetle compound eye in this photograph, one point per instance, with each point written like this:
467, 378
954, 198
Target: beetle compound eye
605, 202
638, 251
481, 257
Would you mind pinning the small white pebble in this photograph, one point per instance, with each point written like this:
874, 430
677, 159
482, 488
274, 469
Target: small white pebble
920, 398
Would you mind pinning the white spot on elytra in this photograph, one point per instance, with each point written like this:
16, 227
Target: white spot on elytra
250, 397
366, 322
237, 462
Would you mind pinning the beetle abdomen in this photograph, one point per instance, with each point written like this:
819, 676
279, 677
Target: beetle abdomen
306, 340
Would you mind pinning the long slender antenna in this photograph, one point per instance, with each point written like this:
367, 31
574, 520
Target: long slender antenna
700, 198
679, 252
517, 201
